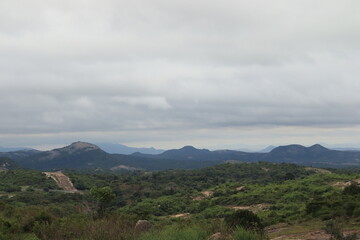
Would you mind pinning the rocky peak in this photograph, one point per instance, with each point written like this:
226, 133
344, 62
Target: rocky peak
80, 146
75, 147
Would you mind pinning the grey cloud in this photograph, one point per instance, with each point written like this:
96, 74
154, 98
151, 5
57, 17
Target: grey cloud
176, 66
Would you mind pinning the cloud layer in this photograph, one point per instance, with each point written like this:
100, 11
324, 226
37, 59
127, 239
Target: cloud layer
124, 71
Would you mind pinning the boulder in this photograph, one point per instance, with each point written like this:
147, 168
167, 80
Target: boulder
143, 225
215, 236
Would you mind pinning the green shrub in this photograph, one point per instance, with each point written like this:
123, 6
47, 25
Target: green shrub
5, 226
353, 189
242, 234
11, 188
176, 233
81, 227
245, 219
333, 228
216, 212
41, 218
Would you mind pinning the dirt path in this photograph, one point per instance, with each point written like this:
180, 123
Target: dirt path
181, 215
62, 181
318, 170
254, 208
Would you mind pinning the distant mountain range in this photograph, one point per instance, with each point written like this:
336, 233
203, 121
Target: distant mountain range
315, 155
87, 156
267, 149
7, 149
19, 154
122, 149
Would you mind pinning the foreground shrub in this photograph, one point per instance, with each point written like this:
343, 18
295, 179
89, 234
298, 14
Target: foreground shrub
333, 228
246, 220
41, 218
114, 227
242, 234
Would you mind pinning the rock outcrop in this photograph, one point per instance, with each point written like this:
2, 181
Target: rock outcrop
143, 225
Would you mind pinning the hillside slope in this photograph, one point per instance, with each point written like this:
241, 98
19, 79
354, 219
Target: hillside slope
8, 164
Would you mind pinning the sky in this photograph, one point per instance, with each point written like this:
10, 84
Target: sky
212, 74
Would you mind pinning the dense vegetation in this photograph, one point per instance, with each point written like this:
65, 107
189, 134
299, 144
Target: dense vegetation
180, 204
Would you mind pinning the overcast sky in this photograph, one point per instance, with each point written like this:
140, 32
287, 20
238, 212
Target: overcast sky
213, 74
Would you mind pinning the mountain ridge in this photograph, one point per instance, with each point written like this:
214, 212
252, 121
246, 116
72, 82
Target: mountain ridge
316, 154
14, 149
81, 155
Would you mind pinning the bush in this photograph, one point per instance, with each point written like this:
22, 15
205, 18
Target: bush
177, 233
5, 226
353, 189
242, 234
116, 226
11, 188
245, 219
41, 218
216, 212
333, 228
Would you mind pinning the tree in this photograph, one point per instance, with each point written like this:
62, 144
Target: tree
103, 197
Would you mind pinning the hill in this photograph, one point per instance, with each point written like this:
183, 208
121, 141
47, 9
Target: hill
8, 164
78, 155
315, 155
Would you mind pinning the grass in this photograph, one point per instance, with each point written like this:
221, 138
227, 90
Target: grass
176, 233
241, 234
298, 228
